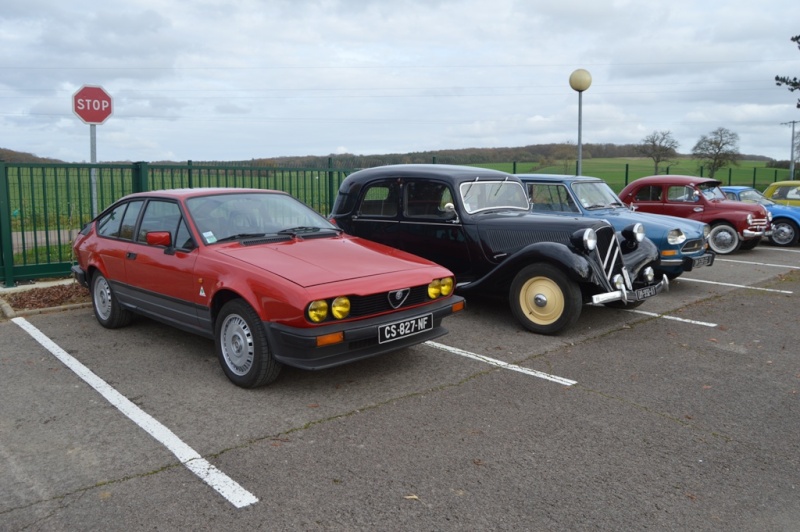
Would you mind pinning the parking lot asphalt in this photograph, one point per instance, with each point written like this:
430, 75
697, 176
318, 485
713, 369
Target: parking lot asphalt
682, 414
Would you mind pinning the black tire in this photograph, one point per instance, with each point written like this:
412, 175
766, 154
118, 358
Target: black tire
107, 310
750, 244
723, 239
784, 232
242, 347
559, 305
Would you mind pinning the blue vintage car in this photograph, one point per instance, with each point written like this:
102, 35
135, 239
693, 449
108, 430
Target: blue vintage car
682, 243
785, 219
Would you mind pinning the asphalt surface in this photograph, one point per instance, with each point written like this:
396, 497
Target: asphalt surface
683, 415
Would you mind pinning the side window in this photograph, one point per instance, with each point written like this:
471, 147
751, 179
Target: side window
680, 193
120, 222
109, 224
794, 193
649, 193
380, 199
425, 199
183, 238
551, 198
159, 216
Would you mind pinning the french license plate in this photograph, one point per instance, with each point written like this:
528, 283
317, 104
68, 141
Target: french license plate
706, 260
402, 329
644, 293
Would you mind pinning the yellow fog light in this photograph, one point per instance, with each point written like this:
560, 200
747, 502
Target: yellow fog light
340, 308
446, 286
318, 311
434, 289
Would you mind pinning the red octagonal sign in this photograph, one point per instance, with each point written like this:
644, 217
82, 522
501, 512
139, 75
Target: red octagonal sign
92, 104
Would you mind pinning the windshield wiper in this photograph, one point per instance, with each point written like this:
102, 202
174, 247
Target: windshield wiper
294, 231
239, 236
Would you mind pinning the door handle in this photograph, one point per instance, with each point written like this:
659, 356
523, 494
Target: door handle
130, 255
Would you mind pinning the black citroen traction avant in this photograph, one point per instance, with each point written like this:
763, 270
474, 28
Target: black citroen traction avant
477, 223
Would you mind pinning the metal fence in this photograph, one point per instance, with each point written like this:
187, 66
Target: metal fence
43, 206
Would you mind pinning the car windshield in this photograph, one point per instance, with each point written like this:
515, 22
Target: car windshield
240, 215
754, 196
711, 191
479, 196
596, 195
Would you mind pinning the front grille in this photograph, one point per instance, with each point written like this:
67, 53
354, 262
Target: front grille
378, 303
609, 253
690, 246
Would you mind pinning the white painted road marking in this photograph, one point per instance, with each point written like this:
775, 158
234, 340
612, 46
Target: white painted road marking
501, 364
759, 263
693, 322
738, 286
222, 483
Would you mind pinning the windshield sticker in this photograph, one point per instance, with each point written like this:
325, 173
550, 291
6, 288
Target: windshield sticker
209, 236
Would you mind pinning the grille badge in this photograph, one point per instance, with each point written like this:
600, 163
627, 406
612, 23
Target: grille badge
398, 297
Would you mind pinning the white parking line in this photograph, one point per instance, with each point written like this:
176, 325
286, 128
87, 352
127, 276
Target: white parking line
222, 483
655, 315
501, 364
738, 286
759, 263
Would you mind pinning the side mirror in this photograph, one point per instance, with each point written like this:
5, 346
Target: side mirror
159, 238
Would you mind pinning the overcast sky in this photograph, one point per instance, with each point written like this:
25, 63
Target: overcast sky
214, 80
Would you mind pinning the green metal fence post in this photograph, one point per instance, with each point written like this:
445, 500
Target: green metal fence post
6, 246
330, 185
191, 181
730, 174
139, 175
754, 178
627, 169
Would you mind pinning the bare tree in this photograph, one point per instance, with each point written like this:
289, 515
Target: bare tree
793, 84
567, 154
717, 149
659, 146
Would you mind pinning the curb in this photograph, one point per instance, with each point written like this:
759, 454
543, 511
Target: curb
10, 313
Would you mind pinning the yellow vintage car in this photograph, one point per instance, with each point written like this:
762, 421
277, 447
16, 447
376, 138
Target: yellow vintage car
784, 192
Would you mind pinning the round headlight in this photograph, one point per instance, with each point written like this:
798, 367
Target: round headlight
618, 282
318, 311
706, 230
676, 237
769, 216
340, 308
446, 286
749, 219
649, 274
634, 232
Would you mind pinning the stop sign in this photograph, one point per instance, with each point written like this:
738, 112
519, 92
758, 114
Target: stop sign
92, 104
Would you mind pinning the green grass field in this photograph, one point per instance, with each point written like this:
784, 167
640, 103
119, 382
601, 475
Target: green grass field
617, 172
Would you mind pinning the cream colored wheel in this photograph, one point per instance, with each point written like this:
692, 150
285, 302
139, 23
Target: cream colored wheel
544, 300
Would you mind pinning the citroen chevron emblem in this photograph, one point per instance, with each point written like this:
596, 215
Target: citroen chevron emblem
398, 297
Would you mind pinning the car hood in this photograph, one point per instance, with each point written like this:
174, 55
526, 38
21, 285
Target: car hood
729, 205
508, 233
319, 261
654, 224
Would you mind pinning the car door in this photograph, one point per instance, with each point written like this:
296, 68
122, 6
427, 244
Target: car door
684, 202
115, 229
161, 278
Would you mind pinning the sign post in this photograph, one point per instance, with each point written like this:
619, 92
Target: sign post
93, 105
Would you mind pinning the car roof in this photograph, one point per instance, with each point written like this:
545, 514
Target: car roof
674, 180
785, 184
736, 188
179, 193
447, 172
557, 177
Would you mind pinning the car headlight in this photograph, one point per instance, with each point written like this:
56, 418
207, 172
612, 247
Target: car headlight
649, 274
340, 308
440, 287
585, 239
618, 281
706, 231
769, 216
676, 237
318, 310
749, 219
634, 232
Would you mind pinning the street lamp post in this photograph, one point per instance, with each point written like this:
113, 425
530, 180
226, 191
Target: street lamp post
580, 80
